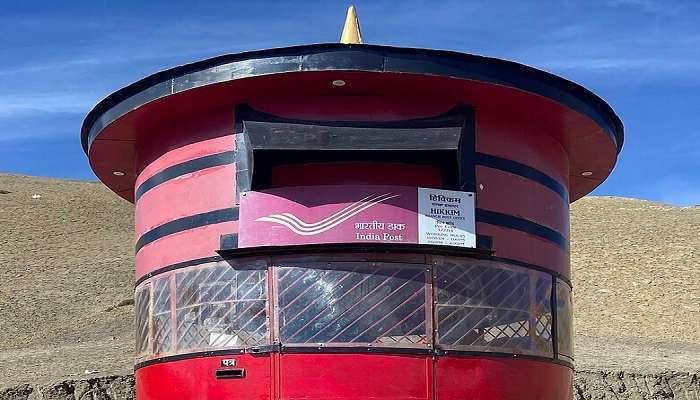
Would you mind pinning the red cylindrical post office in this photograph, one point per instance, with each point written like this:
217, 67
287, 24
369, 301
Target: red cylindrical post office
353, 222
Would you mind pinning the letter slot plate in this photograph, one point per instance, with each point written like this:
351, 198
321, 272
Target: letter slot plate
237, 373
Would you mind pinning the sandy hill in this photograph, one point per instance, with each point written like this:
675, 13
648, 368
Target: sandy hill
66, 259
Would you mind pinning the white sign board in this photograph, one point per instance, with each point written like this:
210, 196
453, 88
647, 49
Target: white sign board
446, 217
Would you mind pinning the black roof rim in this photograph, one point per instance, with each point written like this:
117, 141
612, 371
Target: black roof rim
555, 82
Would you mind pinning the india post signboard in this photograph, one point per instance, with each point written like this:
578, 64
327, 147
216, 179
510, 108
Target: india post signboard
354, 213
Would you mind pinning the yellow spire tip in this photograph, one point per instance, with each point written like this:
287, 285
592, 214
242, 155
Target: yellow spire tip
351, 31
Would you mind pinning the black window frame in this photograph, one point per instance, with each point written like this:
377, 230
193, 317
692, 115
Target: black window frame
446, 141
431, 263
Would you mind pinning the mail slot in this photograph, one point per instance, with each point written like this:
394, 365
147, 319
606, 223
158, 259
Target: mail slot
235, 373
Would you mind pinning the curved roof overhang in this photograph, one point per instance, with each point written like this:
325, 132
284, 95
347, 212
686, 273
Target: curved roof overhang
114, 121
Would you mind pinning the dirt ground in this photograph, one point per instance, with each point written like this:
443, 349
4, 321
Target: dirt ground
66, 259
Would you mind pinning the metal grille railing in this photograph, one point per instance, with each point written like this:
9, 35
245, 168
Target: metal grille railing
490, 307
350, 304
564, 306
142, 306
219, 307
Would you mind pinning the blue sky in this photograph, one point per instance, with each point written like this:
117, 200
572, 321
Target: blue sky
57, 59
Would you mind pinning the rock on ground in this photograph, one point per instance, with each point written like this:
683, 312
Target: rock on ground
107, 388
588, 385
625, 386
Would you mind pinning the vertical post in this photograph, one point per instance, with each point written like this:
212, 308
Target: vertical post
555, 333
173, 312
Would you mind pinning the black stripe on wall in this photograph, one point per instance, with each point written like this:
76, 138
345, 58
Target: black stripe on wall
523, 170
520, 224
172, 267
187, 356
331, 250
231, 214
228, 241
186, 223
187, 167
225, 158
349, 350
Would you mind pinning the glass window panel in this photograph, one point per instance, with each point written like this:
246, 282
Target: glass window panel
221, 307
541, 311
484, 306
353, 303
142, 306
565, 343
161, 295
161, 320
480, 306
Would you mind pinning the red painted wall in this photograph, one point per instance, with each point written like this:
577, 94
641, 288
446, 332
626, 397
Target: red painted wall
512, 136
195, 379
357, 377
516, 139
501, 379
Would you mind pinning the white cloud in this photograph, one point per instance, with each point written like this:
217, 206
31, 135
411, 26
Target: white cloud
603, 64
23, 105
42, 115
650, 6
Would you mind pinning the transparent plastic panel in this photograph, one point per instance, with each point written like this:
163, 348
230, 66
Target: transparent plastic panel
486, 306
379, 304
542, 309
565, 342
473, 305
162, 316
142, 306
221, 307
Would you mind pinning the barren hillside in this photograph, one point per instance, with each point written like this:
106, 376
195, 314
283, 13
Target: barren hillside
636, 269
636, 275
66, 253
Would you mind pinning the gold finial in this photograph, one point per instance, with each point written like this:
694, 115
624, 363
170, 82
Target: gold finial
351, 30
